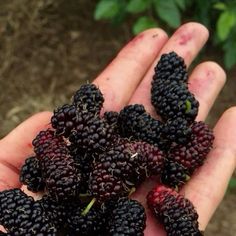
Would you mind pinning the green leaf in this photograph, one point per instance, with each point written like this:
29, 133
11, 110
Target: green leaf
232, 183
106, 9
181, 4
224, 24
168, 12
220, 6
142, 24
230, 56
137, 6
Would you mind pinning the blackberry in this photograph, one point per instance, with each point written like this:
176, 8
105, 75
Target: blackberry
88, 224
174, 101
128, 218
174, 174
176, 130
171, 64
93, 136
88, 98
31, 175
193, 154
19, 214
175, 212
134, 122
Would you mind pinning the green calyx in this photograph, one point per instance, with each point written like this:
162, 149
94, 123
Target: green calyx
188, 106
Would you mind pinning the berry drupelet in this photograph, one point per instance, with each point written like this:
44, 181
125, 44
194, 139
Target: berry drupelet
175, 212
31, 174
127, 218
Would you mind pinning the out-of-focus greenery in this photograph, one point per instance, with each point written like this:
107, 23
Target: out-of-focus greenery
218, 16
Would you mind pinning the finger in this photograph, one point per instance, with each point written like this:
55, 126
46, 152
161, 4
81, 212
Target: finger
186, 42
121, 77
207, 187
205, 82
17, 146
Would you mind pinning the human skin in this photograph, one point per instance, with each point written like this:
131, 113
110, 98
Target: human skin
126, 80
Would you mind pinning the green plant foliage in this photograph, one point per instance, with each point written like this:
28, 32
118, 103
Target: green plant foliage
232, 183
225, 23
137, 6
219, 16
106, 9
168, 11
143, 23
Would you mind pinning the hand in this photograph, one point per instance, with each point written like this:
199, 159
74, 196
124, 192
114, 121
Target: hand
127, 80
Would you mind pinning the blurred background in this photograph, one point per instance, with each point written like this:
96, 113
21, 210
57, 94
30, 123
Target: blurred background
49, 47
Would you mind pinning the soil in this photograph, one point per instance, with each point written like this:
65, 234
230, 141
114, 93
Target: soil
48, 48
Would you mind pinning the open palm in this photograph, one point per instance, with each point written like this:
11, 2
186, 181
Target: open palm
126, 80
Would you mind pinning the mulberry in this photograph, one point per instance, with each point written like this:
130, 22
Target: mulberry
128, 218
193, 154
64, 119
149, 160
88, 224
104, 186
19, 214
44, 140
134, 122
88, 98
123, 167
31, 175
58, 212
174, 174
174, 101
176, 130
171, 64
94, 136
61, 175
174, 211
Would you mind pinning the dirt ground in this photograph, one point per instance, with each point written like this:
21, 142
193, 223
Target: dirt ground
48, 48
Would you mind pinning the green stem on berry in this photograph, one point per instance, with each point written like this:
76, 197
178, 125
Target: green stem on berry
188, 106
84, 195
88, 207
132, 190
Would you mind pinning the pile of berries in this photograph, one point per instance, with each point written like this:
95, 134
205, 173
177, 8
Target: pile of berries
87, 165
